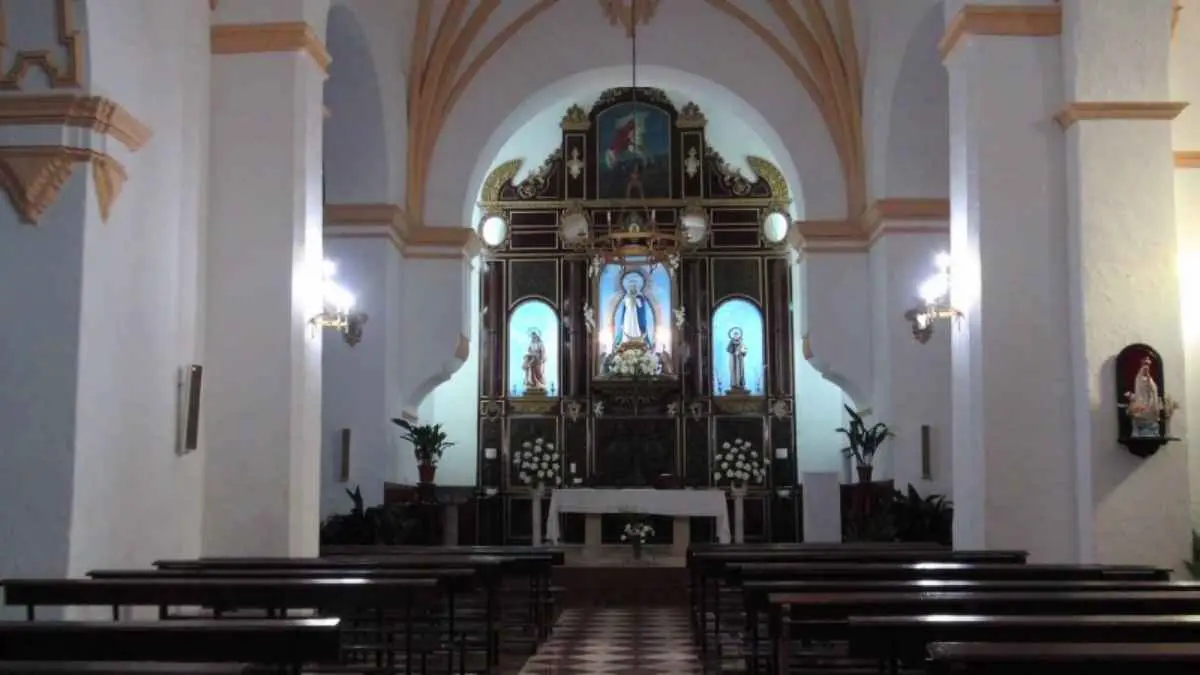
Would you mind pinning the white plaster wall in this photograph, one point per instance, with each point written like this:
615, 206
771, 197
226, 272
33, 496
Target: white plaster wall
141, 309
837, 314
818, 410
911, 380
455, 405
355, 379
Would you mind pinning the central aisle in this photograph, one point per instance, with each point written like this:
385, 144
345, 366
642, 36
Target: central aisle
630, 641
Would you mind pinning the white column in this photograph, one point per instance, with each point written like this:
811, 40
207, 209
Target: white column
1012, 383
1123, 252
1185, 86
912, 380
263, 384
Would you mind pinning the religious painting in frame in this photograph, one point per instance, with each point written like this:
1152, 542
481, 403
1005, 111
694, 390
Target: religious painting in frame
634, 303
634, 153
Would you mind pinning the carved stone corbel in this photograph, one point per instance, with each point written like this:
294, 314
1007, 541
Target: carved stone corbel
34, 176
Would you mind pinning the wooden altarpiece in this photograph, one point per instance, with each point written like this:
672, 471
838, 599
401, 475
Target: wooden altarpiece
735, 275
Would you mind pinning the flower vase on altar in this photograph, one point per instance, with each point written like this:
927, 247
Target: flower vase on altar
738, 492
637, 534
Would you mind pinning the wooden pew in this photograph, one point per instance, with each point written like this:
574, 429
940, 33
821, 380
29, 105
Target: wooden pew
709, 565
345, 597
285, 642
991, 658
122, 668
489, 570
755, 593
895, 639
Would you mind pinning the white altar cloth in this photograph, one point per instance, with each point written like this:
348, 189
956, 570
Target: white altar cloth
701, 503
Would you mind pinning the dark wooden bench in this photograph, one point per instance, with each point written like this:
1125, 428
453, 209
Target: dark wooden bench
715, 565
378, 599
121, 668
755, 592
1009, 658
489, 571
896, 639
284, 642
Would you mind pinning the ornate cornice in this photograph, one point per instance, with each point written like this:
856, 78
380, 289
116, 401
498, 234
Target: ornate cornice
83, 112
884, 217
1118, 110
34, 176
260, 38
1187, 159
389, 221
1007, 20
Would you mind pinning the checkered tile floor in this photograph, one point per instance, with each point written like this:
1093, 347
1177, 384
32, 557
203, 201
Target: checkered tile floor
629, 641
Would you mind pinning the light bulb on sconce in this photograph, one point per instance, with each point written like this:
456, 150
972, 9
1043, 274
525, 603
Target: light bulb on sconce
935, 301
338, 304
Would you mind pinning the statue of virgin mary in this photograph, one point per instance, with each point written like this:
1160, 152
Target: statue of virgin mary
1144, 404
632, 319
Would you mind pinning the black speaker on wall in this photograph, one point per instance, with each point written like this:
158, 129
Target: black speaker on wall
193, 378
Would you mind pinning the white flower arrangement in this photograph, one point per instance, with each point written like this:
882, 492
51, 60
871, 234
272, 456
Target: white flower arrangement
637, 533
634, 363
538, 464
738, 463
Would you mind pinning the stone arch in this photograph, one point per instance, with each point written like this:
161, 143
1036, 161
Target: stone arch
357, 169
917, 147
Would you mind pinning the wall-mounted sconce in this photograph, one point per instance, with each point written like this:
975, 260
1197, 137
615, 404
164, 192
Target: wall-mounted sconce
935, 301
339, 304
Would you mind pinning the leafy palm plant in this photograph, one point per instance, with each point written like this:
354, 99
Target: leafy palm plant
429, 441
862, 441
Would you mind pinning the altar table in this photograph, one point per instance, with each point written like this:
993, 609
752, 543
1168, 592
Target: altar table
682, 504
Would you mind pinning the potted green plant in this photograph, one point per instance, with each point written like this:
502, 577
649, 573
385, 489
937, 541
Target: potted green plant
862, 442
429, 442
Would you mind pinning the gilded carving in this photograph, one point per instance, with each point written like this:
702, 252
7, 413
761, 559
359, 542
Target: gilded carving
537, 181
576, 119
774, 177
34, 176
730, 176
533, 405
499, 177
690, 117
740, 405
59, 74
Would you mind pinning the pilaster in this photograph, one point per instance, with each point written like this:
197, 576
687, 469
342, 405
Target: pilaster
263, 402
1123, 256
1012, 385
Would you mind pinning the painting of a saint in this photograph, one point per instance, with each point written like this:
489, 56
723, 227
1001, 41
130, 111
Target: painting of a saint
634, 152
634, 316
634, 305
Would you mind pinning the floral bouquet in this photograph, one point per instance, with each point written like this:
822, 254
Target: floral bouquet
634, 362
537, 464
637, 534
738, 463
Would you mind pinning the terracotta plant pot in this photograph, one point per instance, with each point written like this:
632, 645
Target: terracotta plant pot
426, 471
864, 473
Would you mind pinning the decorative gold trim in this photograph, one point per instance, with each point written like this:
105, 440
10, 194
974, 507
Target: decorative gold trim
34, 176
575, 119
767, 171
691, 117
70, 37
499, 177
462, 351
1187, 159
663, 203
532, 405
262, 38
1118, 110
1007, 20
85, 112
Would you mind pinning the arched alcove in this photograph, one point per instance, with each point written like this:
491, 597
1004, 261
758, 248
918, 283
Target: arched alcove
917, 154
738, 332
355, 138
533, 327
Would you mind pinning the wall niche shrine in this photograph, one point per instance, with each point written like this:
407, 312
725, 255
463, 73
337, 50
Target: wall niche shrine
635, 302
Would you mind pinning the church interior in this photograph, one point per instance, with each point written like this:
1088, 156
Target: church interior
568, 337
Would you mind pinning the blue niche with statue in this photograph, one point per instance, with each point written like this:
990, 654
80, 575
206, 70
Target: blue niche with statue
533, 349
739, 363
635, 310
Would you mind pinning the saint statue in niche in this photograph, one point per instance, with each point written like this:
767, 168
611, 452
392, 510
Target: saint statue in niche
534, 364
1144, 404
633, 312
737, 361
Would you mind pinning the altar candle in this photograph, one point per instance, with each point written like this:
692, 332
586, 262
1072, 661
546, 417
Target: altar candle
572, 467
